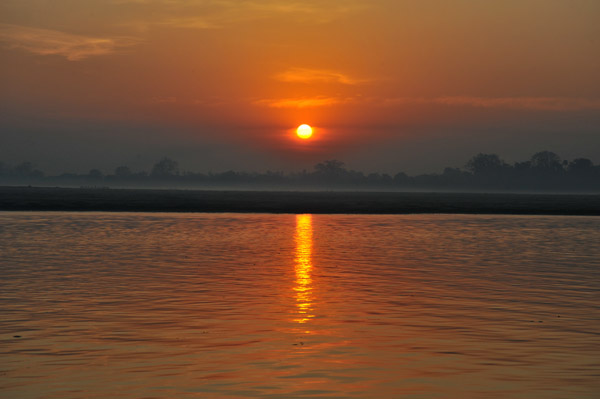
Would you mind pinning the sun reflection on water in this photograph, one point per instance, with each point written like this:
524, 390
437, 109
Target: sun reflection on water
303, 266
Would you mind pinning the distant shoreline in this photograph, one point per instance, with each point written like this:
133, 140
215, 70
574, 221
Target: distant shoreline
151, 200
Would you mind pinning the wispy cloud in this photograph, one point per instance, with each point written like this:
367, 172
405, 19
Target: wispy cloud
278, 6
191, 23
530, 103
53, 42
307, 102
305, 75
319, 10
213, 14
557, 104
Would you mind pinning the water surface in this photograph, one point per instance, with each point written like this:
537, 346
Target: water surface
100, 305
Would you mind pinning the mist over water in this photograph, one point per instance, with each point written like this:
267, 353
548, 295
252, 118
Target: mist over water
290, 306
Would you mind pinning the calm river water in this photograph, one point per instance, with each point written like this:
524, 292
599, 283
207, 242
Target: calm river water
111, 305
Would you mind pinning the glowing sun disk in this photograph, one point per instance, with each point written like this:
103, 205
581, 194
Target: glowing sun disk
304, 131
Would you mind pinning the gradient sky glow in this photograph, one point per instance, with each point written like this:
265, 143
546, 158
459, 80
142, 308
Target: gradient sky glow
388, 85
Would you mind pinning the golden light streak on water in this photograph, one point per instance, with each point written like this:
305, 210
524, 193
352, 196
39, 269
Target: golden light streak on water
303, 266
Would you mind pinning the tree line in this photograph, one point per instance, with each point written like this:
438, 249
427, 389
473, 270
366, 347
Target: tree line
545, 170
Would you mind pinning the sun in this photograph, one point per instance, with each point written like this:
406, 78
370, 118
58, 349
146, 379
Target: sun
304, 131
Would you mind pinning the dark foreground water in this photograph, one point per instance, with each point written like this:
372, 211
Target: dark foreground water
101, 305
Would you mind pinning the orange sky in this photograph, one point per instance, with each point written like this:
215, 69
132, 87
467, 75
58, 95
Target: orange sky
380, 80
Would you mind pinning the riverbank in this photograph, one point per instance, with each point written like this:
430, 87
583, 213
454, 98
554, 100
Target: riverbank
142, 200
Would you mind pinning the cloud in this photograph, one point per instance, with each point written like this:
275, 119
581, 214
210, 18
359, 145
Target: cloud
271, 6
319, 10
215, 14
303, 102
305, 75
557, 104
191, 23
529, 103
535, 103
53, 42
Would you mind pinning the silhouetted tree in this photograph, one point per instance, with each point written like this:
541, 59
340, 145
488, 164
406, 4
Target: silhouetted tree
122, 171
229, 176
582, 171
452, 172
454, 177
23, 170
485, 164
522, 167
26, 169
166, 167
401, 179
489, 170
374, 178
546, 161
544, 171
95, 174
581, 165
330, 167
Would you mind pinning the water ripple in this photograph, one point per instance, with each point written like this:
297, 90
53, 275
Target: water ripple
124, 305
